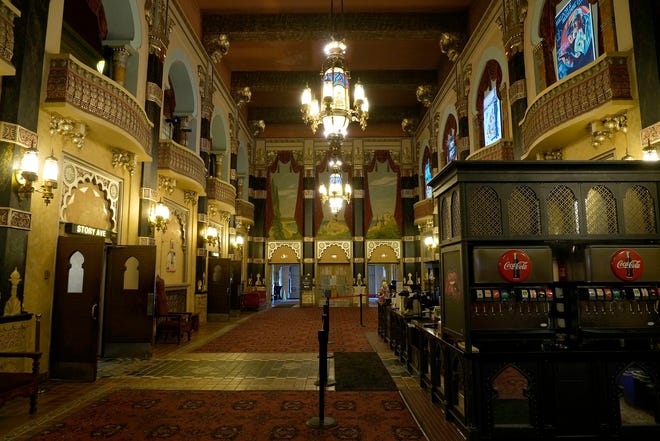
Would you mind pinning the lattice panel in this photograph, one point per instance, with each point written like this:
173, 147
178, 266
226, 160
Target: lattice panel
446, 220
485, 215
455, 215
562, 209
524, 212
600, 207
639, 211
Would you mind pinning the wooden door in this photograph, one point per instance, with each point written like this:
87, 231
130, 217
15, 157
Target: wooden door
236, 285
219, 288
128, 305
76, 299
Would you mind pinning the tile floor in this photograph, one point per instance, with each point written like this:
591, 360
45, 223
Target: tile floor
175, 366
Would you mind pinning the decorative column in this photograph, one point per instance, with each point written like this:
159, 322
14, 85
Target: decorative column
19, 114
359, 260
206, 90
409, 195
256, 263
119, 58
159, 29
462, 140
511, 23
309, 193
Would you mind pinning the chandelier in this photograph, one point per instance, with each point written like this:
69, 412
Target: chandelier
335, 111
336, 193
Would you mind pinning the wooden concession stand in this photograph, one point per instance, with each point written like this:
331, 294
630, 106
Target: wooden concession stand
549, 322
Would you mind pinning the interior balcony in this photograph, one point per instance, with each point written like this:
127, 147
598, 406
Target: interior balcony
423, 212
245, 213
561, 113
183, 165
81, 94
221, 195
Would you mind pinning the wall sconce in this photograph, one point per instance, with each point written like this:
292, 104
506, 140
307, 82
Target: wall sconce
159, 216
28, 174
649, 153
431, 242
212, 236
238, 242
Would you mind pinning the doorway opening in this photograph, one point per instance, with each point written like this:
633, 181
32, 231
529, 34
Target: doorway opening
285, 281
379, 272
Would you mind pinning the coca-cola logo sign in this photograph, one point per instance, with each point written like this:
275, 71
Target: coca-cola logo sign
515, 266
627, 264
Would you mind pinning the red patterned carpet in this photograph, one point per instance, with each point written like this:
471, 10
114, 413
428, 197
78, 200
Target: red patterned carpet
296, 330
246, 415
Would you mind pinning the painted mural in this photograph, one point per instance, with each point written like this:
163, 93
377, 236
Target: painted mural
382, 197
284, 191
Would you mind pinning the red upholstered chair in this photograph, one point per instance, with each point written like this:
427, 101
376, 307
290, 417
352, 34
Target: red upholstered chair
170, 323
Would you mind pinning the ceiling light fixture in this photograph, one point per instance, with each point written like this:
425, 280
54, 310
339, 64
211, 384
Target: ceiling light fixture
335, 111
336, 193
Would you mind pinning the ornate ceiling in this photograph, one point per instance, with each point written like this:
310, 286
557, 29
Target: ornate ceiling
276, 48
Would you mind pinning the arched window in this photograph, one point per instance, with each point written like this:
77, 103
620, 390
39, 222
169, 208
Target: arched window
449, 140
489, 104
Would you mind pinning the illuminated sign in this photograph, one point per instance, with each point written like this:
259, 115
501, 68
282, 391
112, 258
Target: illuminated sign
86, 230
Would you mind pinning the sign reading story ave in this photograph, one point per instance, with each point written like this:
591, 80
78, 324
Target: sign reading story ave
87, 230
515, 266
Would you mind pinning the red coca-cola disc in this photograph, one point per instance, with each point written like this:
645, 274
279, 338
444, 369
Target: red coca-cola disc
627, 264
515, 266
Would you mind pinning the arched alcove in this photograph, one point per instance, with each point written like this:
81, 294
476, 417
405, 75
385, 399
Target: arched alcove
180, 101
124, 30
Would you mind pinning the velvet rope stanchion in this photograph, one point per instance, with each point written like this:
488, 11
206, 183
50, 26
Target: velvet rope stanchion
321, 421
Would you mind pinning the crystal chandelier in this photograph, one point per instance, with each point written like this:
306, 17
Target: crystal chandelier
335, 111
336, 193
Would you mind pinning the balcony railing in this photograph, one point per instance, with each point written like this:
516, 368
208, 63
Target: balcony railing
423, 211
183, 164
76, 91
245, 211
500, 151
222, 194
563, 108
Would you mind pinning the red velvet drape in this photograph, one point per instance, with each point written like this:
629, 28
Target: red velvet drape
382, 156
285, 157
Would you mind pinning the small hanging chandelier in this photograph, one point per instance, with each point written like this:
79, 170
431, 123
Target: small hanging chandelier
335, 111
336, 193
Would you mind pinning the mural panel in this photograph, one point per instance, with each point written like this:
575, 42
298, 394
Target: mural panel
383, 198
284, 191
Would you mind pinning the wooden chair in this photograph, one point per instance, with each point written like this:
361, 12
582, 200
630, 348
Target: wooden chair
22, 384
170, 323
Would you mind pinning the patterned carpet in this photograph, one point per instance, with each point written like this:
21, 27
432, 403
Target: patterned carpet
140, 414
295, 330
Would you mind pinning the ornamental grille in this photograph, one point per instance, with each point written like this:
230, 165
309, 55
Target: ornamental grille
524, 212
455, 215
639, 211
446, 220
484, 212
562, 211
601, 211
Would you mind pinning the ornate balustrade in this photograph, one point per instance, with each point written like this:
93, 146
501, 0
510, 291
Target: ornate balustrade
245, 212
563, 110
74, 90
221, 194
182, 164
8, 13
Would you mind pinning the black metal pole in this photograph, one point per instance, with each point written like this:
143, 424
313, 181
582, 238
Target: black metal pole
322, 421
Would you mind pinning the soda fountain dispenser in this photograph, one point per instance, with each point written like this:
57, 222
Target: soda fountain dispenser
618, 301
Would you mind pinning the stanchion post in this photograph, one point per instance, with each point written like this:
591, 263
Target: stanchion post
322, 421
361, 324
